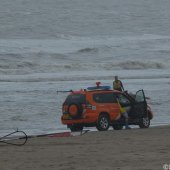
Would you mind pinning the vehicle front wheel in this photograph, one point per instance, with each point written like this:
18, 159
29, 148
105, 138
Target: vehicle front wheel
144, 122
76, 128
103, 122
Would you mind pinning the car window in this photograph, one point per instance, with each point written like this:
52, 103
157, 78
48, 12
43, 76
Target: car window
76, 98
123, 100
104, 98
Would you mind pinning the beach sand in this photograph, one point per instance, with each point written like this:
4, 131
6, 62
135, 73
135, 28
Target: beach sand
135, 149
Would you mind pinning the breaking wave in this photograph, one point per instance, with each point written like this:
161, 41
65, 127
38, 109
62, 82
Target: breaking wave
127, 65
88, 50
51, 63
131, 65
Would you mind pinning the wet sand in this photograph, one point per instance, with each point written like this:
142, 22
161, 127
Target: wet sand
135, 149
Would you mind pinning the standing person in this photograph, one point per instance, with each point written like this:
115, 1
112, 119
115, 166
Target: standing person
117, 84
124, 113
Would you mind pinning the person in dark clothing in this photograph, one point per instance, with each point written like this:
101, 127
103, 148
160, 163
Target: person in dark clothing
117, 84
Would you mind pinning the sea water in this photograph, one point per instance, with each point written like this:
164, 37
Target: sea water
53, 45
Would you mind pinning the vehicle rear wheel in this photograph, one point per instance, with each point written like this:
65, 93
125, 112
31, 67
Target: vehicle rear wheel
103, 122
144, 122
117, 127
76, 128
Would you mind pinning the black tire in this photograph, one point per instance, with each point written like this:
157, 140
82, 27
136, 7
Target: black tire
117, 127
103, 122
144, 122
76, 128
79, 110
